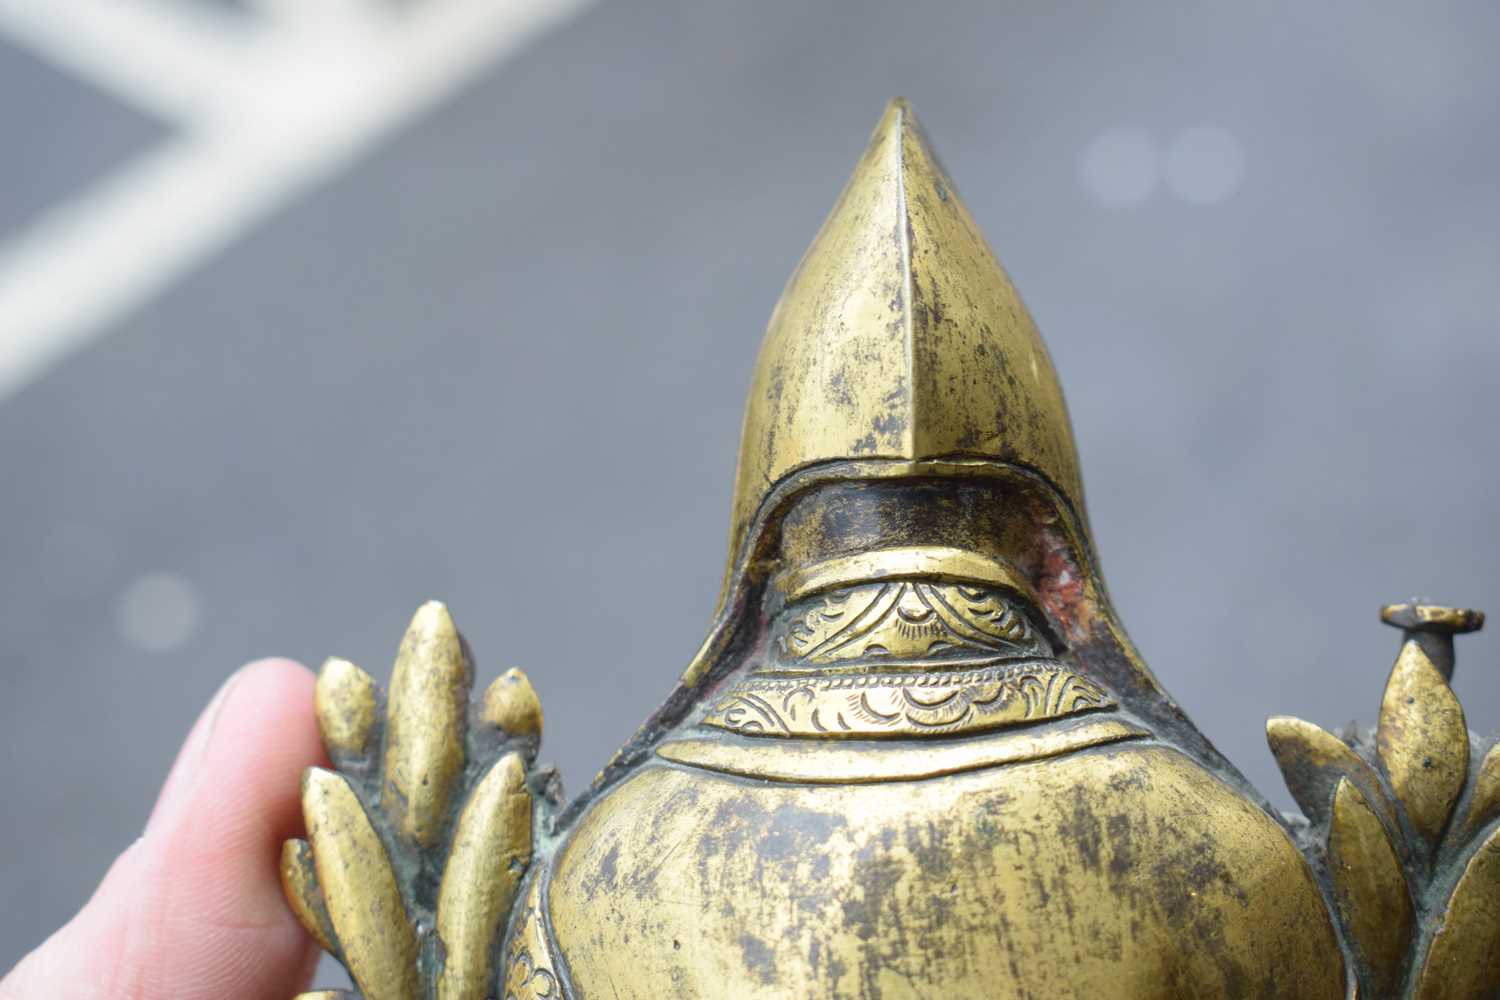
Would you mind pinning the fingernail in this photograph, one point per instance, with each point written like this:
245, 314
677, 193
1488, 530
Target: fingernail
190, 758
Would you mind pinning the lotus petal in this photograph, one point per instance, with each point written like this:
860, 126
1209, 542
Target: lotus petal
345, 702
364, 903
1423, 741
299, 883
490, 854
1485, 803
1370, 889
1464, 960
511, 704
426, 716
1312, 760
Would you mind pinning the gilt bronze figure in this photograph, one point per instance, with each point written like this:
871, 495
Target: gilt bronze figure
917, 755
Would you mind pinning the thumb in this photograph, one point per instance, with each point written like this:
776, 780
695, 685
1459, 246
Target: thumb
193, 909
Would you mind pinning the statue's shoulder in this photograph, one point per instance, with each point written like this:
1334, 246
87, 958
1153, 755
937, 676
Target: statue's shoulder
1036, 877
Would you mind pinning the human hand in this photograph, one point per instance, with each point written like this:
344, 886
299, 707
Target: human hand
193, 909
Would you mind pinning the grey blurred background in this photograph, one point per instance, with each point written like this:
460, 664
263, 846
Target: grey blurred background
493, 347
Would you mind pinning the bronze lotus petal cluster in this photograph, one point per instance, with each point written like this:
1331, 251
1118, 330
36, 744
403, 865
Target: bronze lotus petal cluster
1407, 824
416, 845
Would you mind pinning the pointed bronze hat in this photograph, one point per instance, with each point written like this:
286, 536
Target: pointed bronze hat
899, 336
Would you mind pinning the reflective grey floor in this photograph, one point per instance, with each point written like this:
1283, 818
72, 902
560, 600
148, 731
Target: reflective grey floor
502, 362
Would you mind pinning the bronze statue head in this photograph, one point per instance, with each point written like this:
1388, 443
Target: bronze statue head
917, 754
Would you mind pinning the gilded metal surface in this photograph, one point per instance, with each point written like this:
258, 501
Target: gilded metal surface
1369, 888
1409, 836
1464, 962
865, 706
818, 763
418, 909
377, 940
906, 622
425, 730
530, 968
917, 754
1314, 762
511, 704
1034, 880
490, 852
935, 563
299, 883
1432, 618
1485, 805
899, 336
1423, 741
345, 701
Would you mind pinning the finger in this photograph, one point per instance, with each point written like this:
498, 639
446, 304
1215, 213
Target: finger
193, 910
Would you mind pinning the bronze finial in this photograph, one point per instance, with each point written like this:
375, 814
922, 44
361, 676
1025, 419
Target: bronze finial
917, 754
900, 337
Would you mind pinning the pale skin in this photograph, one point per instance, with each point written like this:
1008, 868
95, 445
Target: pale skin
193, 910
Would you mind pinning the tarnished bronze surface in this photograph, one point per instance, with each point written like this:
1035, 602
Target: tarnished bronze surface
917, 755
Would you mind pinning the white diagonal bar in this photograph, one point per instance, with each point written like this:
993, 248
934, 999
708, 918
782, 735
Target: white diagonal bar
307, 101
171, 59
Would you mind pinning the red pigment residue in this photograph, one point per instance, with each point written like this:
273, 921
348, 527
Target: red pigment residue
1063, 588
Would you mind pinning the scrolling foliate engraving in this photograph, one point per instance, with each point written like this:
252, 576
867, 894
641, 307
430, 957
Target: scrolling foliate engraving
906, 621
1409, 836
905, 704
531, 971
904, 658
